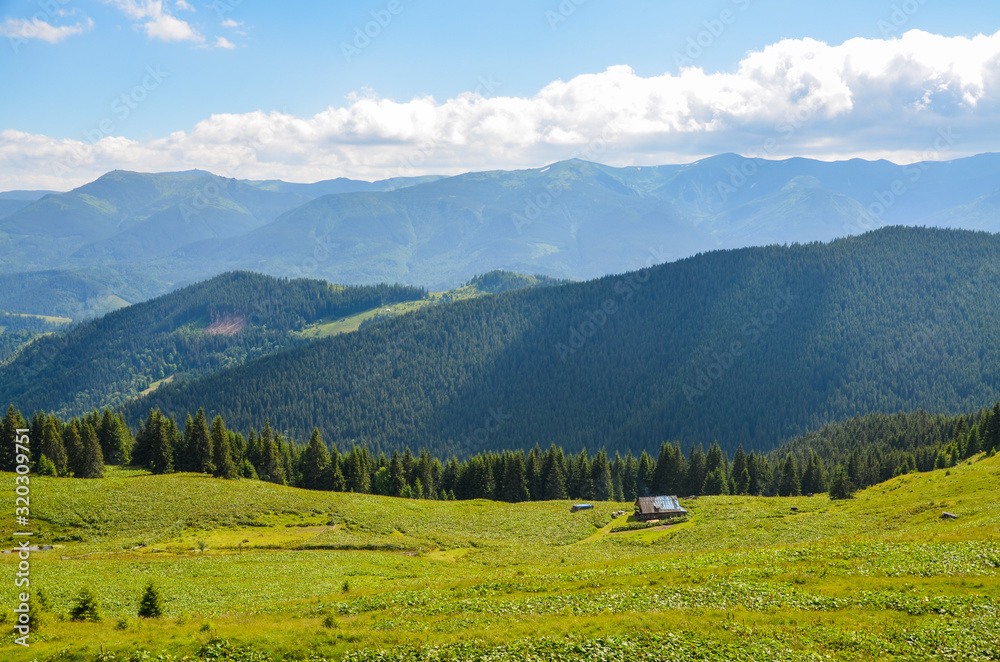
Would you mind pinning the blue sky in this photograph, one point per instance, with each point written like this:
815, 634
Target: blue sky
295, 95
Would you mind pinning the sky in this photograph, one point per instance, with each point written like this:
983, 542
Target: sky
306, 91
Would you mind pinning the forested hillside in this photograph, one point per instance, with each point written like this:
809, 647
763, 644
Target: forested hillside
193, 331
750, 346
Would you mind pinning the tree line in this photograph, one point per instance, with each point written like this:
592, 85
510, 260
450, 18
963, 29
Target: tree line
820, 462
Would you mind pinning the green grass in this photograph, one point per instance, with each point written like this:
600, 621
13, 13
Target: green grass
52, 319
881, 576
333, 327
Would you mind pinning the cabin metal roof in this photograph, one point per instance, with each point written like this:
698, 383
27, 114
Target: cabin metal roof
659, 504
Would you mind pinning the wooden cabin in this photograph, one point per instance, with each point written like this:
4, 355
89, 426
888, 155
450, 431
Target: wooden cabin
658, 507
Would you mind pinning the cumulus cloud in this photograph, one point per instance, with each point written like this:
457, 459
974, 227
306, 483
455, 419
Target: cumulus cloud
866, 98
180, 4
156, 22
22, 29
222, 42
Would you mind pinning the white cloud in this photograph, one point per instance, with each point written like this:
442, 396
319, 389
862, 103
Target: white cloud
156, 22
222, 42
17, 28
180, 4
168, 28
864, 98
230, 23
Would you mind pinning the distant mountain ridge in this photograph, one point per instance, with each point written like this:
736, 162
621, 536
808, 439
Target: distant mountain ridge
572, 219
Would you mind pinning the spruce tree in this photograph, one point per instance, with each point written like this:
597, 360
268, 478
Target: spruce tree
151, 602
74, 449
199, 444
715, 482
840, 487
789, 484
741, 472
12, 422
161, 453
85, 608
315, 463
92, 461
222, 455
600, 478
397, 475
52, 446
515, 479
696, 470
555, 486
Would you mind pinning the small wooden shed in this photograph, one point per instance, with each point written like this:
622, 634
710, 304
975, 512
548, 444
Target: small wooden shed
658, 507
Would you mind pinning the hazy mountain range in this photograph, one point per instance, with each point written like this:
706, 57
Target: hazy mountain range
129, 236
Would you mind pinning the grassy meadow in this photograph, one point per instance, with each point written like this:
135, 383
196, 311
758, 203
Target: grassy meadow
291, 573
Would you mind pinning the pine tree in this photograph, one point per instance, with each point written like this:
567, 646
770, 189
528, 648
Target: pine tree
515, 479
105, 433
397, 475
74, 449
666, 478
789, 485
600, 477
222, 455
85, 608
151, 603
840, 487
630, 483
715, 482
696, 470
991, 440
161, 459
12, 422
741, 472
92, 460
555, 485
46, 467
316, 463
121, 443
52, 446
199, 444
645, 476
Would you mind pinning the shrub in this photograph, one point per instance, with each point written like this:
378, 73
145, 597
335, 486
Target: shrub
46, 467
151, 604
85, 608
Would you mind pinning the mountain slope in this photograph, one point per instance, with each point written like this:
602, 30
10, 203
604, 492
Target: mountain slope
748, 346
192, 331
